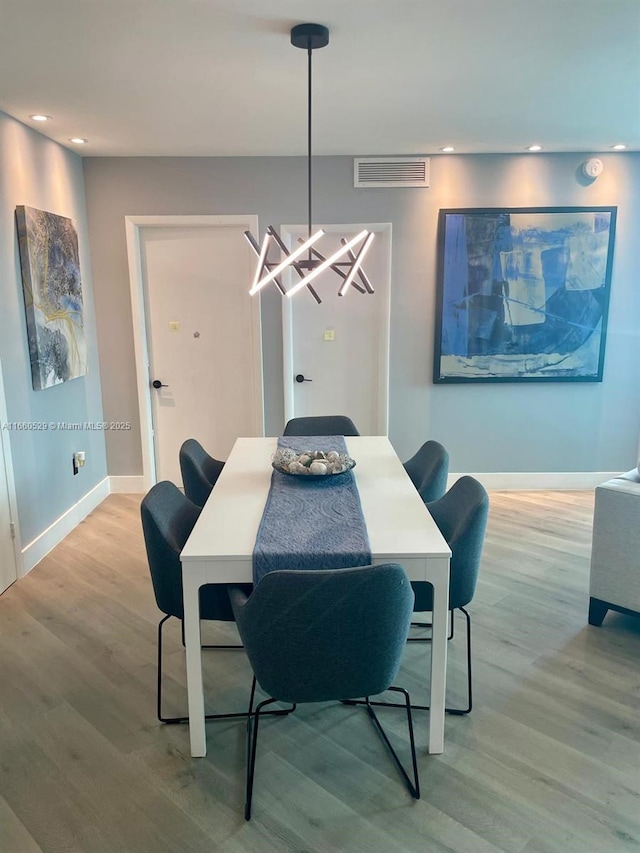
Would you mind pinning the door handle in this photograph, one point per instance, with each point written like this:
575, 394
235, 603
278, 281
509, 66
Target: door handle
157, 384
300, 378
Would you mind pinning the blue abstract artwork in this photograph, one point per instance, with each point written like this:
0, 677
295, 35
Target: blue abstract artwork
523, 294
52, 290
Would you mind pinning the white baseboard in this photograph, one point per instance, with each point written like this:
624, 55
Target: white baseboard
55, 533
551, 480
133, 485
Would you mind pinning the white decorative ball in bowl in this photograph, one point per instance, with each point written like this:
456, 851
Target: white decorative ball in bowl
311, 463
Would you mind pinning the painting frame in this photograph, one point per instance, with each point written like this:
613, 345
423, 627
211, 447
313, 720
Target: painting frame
52, 292
515, 284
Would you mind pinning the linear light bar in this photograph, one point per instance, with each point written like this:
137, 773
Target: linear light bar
361, 273
287, 261
326, 264
261, 259
357, 263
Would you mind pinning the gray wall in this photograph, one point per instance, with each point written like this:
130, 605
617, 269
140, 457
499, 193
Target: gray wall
487, 428
39, 173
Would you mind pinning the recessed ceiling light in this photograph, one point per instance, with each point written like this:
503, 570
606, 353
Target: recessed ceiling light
448, 149
40, 117
534, 148
619, 147
78, 140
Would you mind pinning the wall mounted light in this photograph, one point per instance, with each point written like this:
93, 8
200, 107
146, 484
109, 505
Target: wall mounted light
346, 262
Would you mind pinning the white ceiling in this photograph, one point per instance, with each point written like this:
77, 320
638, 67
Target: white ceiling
220, 77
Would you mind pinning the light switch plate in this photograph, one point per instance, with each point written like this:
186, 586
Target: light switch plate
329, 334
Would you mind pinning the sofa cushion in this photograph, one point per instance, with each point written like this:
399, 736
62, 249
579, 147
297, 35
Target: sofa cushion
632, 476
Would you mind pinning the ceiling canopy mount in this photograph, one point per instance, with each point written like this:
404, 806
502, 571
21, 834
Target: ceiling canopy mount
310, 36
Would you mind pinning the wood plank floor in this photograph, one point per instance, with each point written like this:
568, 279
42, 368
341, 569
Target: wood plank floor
548, 761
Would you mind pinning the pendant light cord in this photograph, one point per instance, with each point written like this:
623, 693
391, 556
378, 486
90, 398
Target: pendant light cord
309, 52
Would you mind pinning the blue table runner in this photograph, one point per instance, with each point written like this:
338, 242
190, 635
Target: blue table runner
311, 523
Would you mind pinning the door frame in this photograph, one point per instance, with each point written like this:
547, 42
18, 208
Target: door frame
287, 232
6, 472
133, 224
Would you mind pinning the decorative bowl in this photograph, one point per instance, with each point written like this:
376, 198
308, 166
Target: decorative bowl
311, 463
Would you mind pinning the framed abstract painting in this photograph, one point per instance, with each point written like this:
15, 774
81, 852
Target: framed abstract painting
52, 289
523, 294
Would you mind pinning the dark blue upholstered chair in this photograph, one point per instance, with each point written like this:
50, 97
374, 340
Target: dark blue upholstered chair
461, 516
428, 470
321, 425
168, 518
199, 471
317, 636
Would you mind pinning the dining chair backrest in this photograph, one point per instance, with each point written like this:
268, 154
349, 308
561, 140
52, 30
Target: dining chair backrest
428, 470
321, 425
199, 471
461, 516
319, 635
168, 518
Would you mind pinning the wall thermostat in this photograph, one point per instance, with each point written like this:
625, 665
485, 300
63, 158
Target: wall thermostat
593, 167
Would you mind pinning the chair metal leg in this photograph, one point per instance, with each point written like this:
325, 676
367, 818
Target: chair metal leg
253, 721
428, 625
453, 711
413, 787
159, 673
251, 698
467, 710
177, 720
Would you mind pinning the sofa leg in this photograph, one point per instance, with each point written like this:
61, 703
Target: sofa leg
597, 611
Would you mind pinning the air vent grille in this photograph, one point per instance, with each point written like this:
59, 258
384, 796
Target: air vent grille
391, 172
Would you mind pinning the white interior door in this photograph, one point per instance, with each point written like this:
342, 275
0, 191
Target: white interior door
342, 345
203, 340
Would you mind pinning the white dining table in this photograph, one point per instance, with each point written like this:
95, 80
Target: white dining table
400, 528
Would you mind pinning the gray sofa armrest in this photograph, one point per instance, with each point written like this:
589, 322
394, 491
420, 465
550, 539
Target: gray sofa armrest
615, 554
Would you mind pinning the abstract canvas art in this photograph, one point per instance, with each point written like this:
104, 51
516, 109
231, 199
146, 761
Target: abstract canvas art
523, 294
52, 290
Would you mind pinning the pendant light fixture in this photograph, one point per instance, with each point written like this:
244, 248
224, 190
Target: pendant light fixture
307, 260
